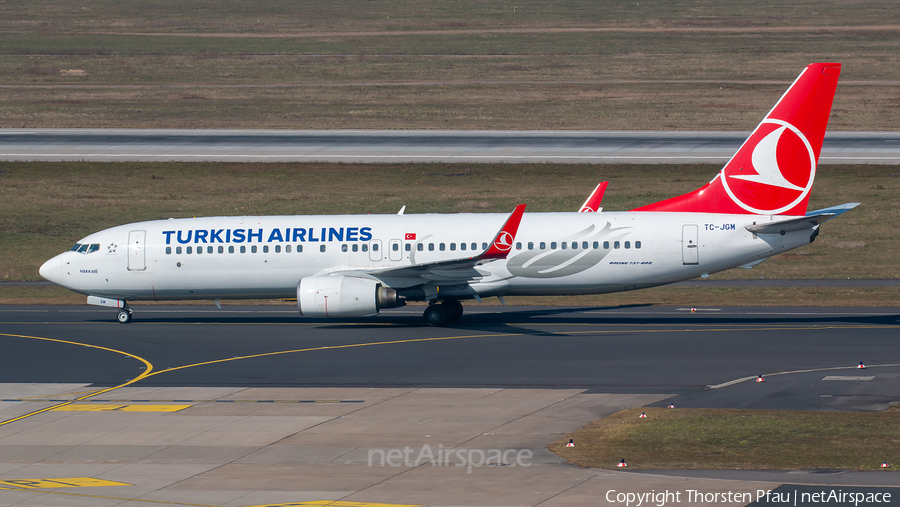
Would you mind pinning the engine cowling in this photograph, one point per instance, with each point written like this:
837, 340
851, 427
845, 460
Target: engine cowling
344, 296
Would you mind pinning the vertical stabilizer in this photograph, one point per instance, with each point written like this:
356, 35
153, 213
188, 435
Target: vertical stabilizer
773, 171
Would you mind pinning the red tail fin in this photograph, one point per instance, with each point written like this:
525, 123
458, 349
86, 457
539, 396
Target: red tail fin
593, 201
773, 171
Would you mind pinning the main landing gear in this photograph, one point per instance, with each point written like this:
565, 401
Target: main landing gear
447, 312
124, 315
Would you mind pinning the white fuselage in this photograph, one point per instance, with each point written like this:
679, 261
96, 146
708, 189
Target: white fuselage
554, 253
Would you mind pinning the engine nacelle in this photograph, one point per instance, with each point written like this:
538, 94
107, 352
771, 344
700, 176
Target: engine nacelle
344, 296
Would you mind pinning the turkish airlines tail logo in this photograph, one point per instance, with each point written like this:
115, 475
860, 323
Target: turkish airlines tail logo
765, 162
773, 171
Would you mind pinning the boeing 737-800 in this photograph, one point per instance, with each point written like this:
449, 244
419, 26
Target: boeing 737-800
356, 265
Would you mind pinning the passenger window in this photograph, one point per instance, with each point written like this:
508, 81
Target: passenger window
628, 244
221, 249
287, 248
395, 247
230, 248
420, 247
299, 248
574, 245
322, 248
374, 247
277, 248
365, 247
484, 246
543, 245
253, 249
564, 245
265, 248
209, 249
344, 247
553, 245
606, 245
452, 247
442, 247
596, 245
518, 245
430, 247
637, 244
408, 247
355, 248
177, 249
616, 245
531, 245
168, 250
462, 246
474, 246
584, 245
189, 250
243, 249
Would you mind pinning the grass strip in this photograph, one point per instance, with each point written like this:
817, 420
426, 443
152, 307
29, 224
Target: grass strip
719, 439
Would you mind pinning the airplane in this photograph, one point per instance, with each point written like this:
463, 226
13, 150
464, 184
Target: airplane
356, 265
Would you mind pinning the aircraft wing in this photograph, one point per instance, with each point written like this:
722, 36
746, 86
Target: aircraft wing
811, 220
593, 201
461, 269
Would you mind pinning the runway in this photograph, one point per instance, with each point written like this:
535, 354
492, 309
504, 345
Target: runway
258, 406
604, 350
382, 146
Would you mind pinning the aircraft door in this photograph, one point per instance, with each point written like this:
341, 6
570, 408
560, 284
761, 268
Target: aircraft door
395, 250
689, 244
375, 250
137, 251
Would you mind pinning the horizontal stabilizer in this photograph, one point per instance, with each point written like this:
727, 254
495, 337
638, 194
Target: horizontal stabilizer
810, 221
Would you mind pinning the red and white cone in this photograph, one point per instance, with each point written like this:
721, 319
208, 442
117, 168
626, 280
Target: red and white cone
861, 366
571, 443
671, 405
643, 415
622, 464
693, 309
884, 464
760, 379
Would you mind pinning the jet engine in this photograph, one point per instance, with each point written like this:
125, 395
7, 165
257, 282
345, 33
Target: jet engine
344, 296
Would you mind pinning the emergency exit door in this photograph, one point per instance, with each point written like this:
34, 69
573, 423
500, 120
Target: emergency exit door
689, 245
137, 260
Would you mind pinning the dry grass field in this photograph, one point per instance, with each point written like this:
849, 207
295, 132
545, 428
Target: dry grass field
458, 64
736, 439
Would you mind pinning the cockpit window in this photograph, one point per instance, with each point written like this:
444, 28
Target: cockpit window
85, 248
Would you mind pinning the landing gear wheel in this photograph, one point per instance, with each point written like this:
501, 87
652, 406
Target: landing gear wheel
436, 315
454, 309
124, 316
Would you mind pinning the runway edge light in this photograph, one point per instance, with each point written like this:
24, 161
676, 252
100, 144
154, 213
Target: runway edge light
622, 464
884, 464
671, 405
693, 309
861, 366
643, 415
760, 379
571, 443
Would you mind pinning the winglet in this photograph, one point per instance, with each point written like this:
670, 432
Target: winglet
503, 241
593, 201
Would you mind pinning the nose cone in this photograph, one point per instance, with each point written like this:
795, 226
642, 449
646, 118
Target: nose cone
52, 270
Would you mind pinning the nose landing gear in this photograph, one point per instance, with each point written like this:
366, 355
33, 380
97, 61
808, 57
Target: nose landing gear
124, 315
447, 312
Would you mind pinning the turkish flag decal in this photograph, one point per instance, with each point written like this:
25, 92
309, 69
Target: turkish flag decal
410, 236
